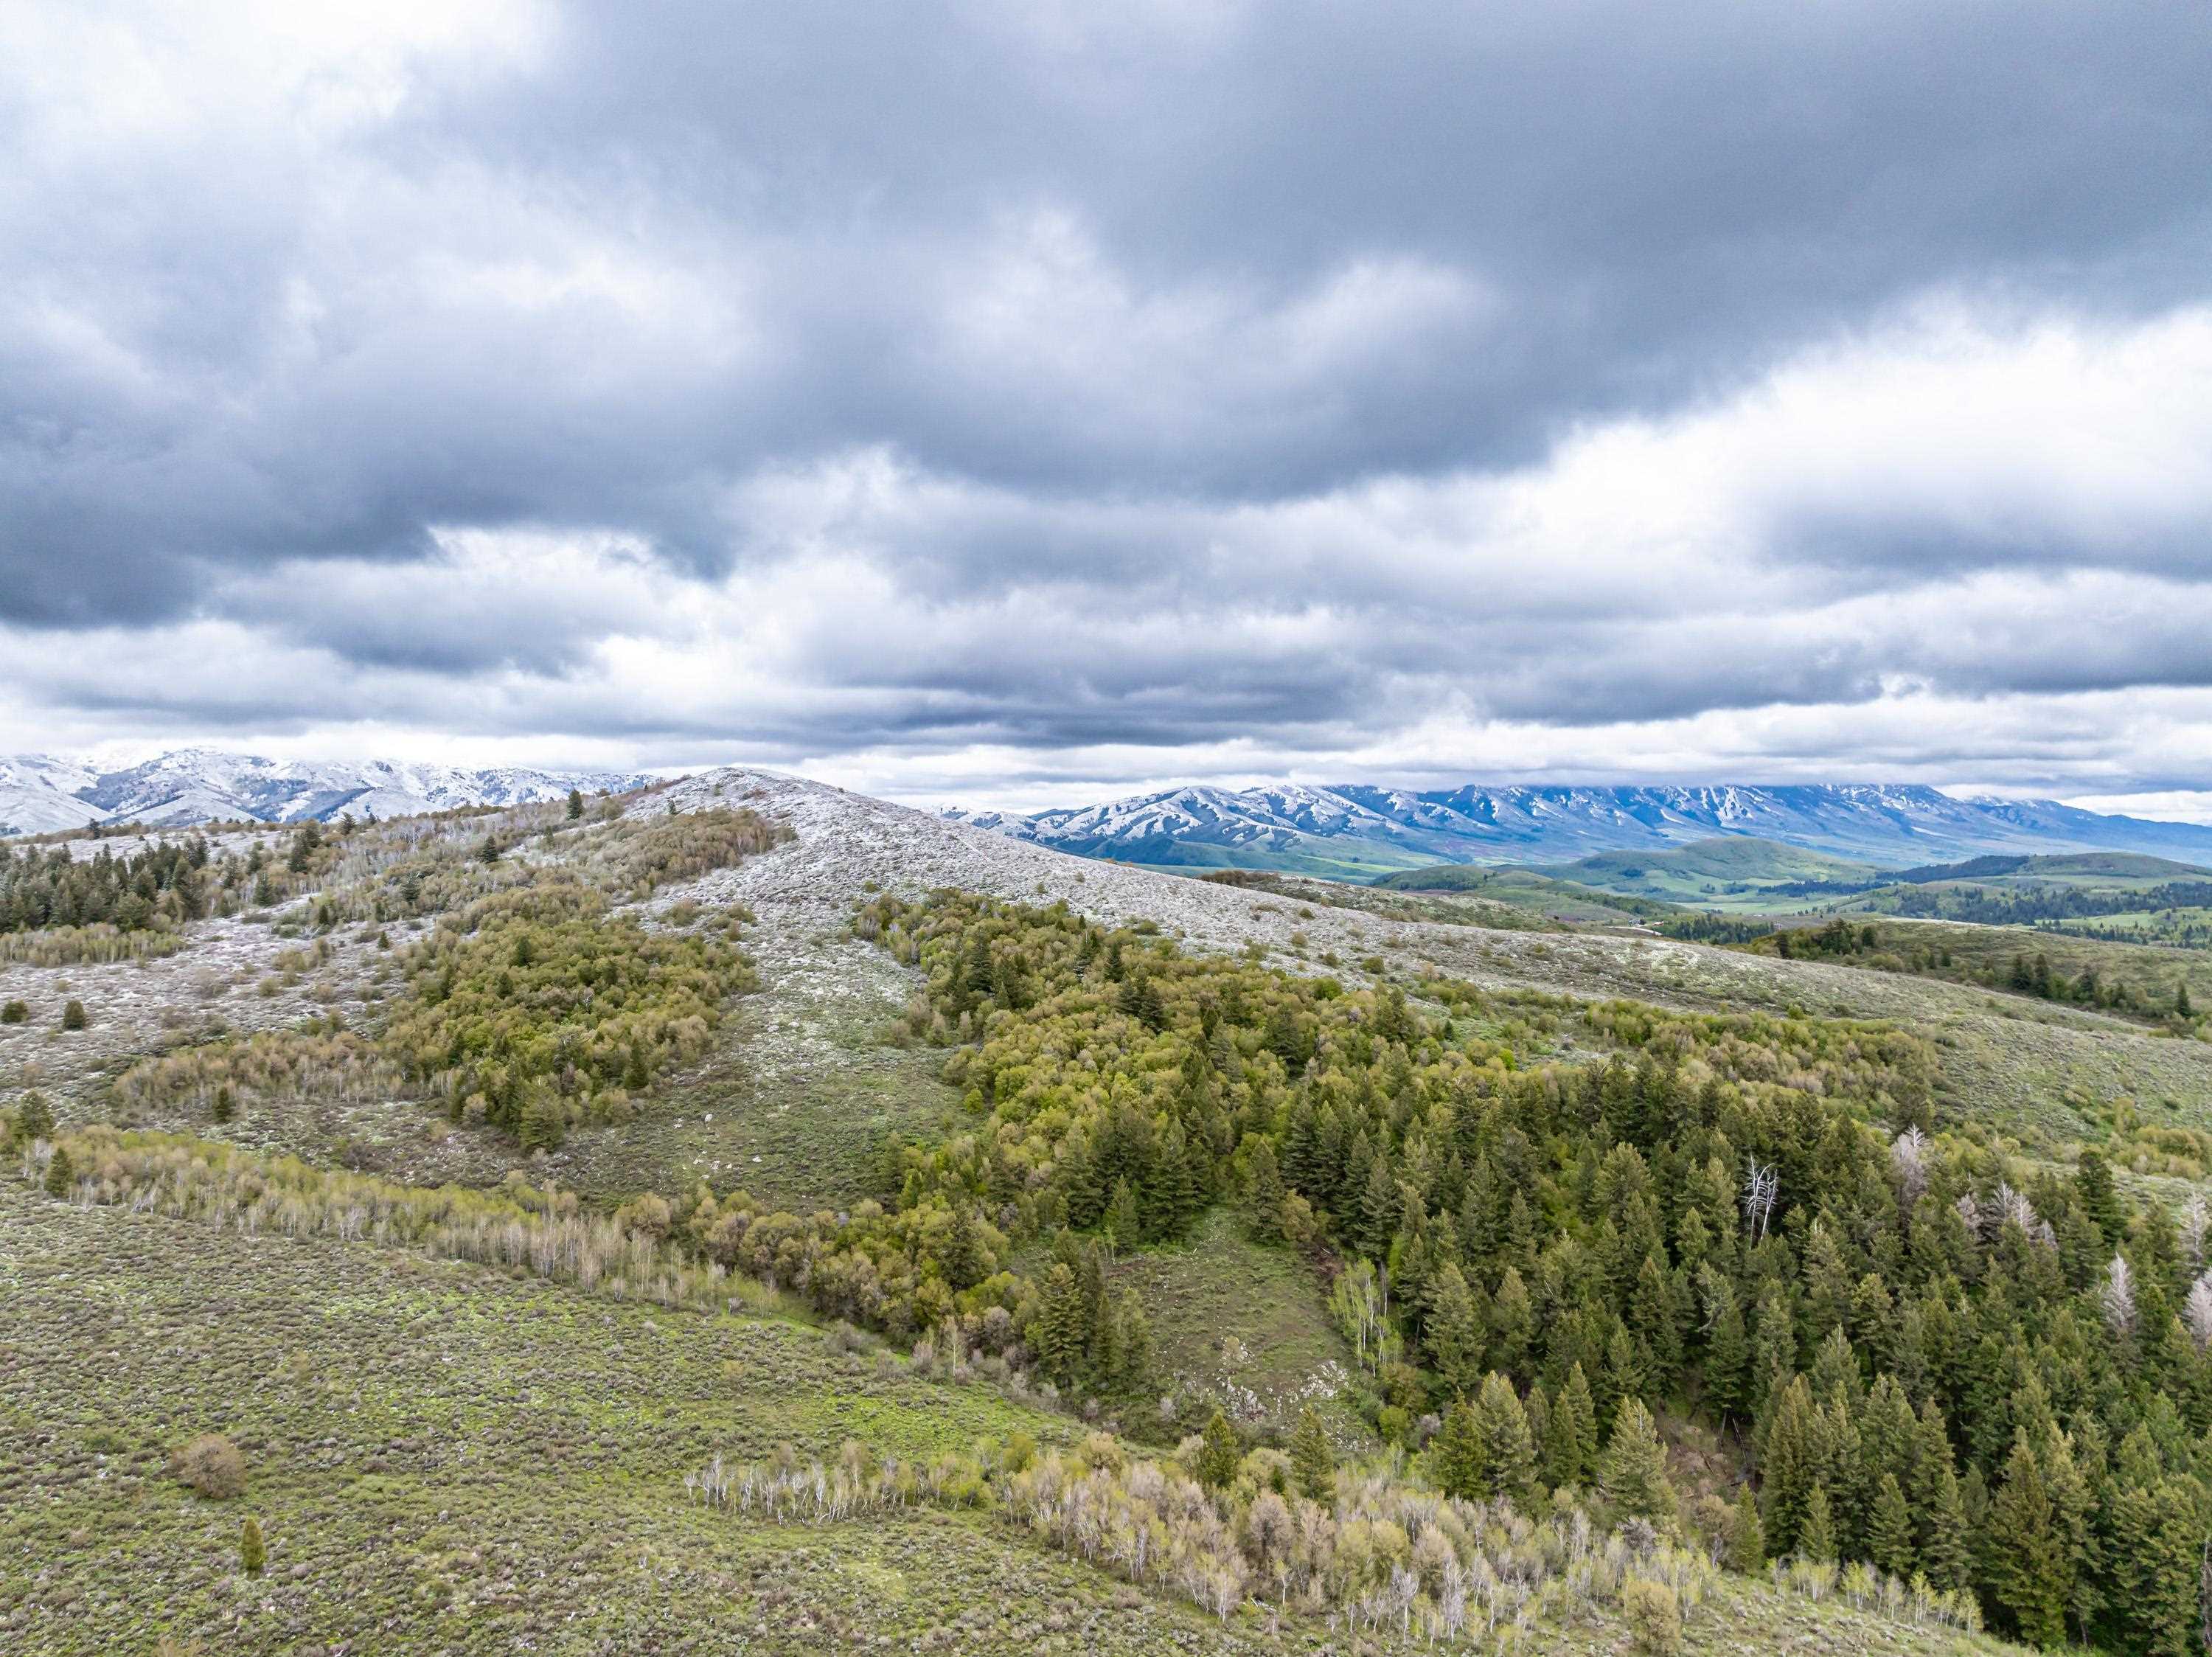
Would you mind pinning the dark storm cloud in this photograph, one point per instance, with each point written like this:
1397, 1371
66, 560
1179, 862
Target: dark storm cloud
1052, 375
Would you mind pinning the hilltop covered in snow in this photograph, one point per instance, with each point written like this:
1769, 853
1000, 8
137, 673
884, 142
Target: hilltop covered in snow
40, 793
1359, 831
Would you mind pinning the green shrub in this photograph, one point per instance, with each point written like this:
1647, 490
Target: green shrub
1655, 1617
252, 1553
15, 1012
73, 1016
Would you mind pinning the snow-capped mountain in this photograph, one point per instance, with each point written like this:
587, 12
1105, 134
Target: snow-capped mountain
40, 793
1354, 829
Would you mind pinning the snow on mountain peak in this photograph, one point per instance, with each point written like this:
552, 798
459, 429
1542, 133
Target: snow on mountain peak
40, 793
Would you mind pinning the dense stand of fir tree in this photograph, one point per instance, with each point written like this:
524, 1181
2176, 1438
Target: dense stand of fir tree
1928, 1351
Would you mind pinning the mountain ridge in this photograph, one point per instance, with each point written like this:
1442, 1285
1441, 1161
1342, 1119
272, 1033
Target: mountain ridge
42, 793
1363, 832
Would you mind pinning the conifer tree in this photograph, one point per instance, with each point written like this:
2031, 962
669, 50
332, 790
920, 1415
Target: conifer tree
1059, 1336
1313, 1463
1509, 1453
1121, 1222
1455, 1335
1794, 1460
1512, 1320
1816, 1536
34, 1117
253, 1554
1889, 1531
1263, 1191
226, 1106
1455, 1457
2028, 1555
61, 1173
1220, 1453
1571, 1438
1747, 1543
2099, 1198
1634, 1472
1728, 1346
1653, 1317
575, 804
1944, 1557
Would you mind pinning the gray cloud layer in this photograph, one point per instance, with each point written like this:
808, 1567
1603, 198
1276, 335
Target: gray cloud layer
1084, 393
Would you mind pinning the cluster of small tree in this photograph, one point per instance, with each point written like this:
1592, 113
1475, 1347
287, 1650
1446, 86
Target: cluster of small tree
1740, 1218
100, 944
1913, 950
1714, 929
2026, 905
1373, 1555
164, 886
538, 1008
221, 1077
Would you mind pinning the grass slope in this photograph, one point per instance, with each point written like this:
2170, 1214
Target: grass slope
1243, 1326
1735, 873
443, 1458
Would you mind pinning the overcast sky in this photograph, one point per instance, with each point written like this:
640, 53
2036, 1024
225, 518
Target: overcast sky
1028, 403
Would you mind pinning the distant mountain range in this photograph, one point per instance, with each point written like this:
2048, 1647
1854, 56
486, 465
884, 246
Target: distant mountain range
1354, 831
40, 793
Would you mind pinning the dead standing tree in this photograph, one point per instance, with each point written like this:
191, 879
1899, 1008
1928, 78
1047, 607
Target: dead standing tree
1762, 1186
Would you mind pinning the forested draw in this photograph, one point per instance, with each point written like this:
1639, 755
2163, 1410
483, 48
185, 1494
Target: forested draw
1939, 1359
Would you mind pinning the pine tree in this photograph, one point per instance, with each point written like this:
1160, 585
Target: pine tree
1571, 1438
1793, 1462
1652, 1315
1512, 1320
34, 1118
1455, 1457
575, 804
2028, 1556
1378, 1206
1313, 1463
1455, 1336
1889, 1531
2181, 1007
635, 1076
962, 1258
1727, 1347
1634, 1474
226, 1106
61, 1173
2099, 1198
2159, 1547
544, 1125
1122, 1223
1816, 1536
1060, 1335
1747, 1543
1509, 1453
1263, 1189
1944, 1557
252, 1553
1220, 1453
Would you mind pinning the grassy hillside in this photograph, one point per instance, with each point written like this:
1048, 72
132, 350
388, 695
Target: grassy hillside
2154, 985
1733, 873
945, 1122
440, 1457
1527, 892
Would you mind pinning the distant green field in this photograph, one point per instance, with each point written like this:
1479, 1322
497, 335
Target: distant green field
1739, 875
